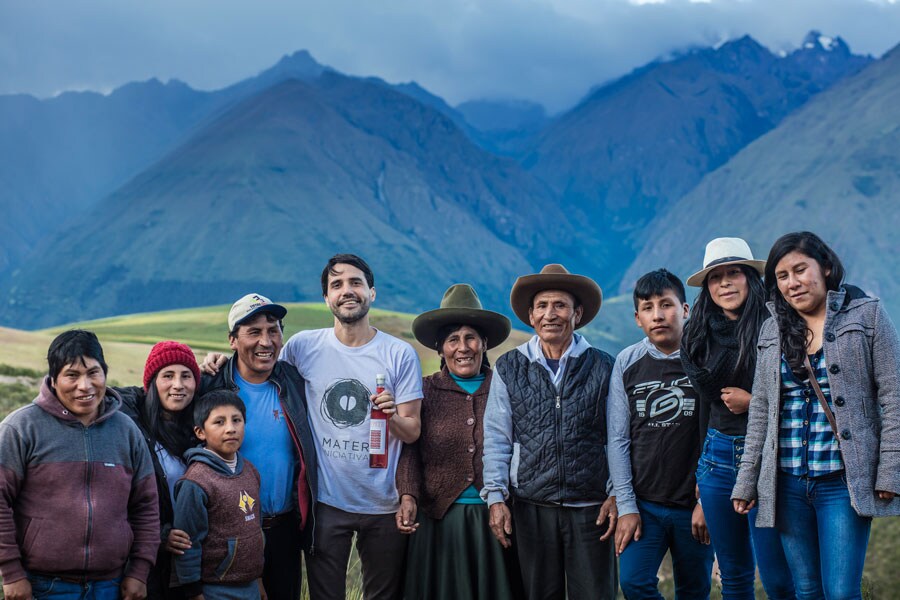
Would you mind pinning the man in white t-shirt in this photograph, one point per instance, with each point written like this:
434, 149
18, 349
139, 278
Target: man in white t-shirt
339, 365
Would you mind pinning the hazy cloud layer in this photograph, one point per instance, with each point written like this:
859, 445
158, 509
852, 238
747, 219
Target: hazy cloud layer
551, 51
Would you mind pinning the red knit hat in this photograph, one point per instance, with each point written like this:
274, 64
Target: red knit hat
168, 353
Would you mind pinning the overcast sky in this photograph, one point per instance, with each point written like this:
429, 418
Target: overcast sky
549, 51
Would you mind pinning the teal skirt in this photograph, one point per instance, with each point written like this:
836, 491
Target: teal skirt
458, 558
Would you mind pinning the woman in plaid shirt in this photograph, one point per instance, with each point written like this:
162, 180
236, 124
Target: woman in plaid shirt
819, 482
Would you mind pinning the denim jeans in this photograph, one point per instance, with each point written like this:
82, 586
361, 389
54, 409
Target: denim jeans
665, 528
823, 537
54, 588
735, 538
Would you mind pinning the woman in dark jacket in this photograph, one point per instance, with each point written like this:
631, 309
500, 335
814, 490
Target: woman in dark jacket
161, 409
719, 355
453, 554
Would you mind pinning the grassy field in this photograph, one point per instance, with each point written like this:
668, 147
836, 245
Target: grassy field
127, 340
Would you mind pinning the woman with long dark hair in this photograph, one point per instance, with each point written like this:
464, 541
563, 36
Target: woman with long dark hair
719, 355
161, 409
821, 453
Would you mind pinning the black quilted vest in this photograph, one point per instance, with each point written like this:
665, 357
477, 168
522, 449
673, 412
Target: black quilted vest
561, 434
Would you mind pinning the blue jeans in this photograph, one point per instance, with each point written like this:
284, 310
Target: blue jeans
665, 528
823, 537
735, 537
57, 589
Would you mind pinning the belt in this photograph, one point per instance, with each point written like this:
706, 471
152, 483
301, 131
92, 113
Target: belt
279, 519
67, 578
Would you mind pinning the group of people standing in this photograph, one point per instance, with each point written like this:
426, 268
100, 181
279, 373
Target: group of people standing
763, 429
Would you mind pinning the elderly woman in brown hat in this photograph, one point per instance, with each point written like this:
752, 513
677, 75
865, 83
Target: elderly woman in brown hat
453, 554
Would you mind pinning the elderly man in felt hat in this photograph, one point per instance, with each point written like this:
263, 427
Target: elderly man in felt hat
545, 437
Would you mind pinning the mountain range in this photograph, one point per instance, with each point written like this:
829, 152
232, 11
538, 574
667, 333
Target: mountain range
831, 168
631, 148
159, 196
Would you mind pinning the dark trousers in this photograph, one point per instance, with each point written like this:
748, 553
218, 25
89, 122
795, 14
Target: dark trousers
382, 554
284, 546
561, 554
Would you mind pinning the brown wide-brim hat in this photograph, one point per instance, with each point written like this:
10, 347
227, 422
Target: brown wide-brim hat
555, 277
461, 305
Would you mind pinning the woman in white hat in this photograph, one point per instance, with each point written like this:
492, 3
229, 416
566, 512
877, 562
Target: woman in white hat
453, 554
719, 355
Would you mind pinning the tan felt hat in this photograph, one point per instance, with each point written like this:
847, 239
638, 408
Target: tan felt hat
556, 277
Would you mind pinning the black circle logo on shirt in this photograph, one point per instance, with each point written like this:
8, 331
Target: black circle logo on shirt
664, 400
346, 403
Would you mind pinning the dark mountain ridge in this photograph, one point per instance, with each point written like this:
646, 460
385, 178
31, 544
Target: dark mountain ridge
300, 147
262, 196
632, 147
831, 167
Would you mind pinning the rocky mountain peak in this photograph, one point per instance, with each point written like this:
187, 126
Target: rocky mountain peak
815, 40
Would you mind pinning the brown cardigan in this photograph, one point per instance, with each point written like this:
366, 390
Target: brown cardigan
448, 456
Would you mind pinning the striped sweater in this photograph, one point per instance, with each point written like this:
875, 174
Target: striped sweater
75, 501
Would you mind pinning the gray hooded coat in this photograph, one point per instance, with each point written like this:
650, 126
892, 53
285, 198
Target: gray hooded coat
862, 352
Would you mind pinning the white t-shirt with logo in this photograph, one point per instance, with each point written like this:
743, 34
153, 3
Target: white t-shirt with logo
339, 381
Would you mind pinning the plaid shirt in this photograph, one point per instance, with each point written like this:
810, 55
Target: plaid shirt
806, 443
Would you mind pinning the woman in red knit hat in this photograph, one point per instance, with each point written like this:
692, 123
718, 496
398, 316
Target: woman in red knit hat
161, 409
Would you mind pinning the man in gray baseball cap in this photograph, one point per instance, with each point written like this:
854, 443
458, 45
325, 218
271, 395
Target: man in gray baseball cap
277, 440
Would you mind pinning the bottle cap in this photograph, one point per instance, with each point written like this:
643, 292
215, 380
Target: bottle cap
379, 379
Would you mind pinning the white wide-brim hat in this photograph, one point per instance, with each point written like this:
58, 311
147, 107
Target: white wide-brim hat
726, 251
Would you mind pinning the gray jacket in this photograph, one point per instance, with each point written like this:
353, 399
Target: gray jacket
862, 352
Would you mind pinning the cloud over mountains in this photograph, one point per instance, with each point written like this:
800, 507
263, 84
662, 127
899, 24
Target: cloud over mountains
543, 50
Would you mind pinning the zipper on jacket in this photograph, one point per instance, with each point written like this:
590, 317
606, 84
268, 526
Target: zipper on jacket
296, 438
559, 441
87, 491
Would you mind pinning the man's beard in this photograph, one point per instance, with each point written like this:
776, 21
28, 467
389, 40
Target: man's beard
352, 317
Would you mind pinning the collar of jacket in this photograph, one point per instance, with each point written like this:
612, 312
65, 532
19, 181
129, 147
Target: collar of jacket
275, 376
835, 300
532, 348
442, 380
